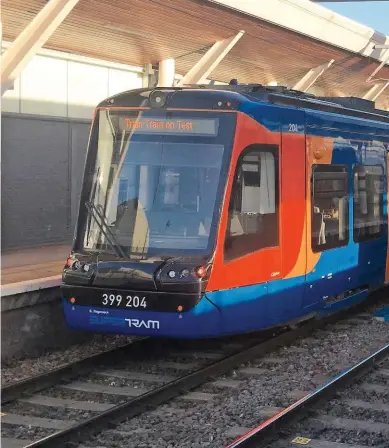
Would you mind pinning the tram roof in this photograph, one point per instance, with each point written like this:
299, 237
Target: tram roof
280, 95
283, 40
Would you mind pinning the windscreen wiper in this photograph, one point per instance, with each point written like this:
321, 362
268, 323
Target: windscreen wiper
105, 229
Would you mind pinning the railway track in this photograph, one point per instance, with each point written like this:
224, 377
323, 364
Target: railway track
349, 411
49, 407
251, 392
35, 383
70, 405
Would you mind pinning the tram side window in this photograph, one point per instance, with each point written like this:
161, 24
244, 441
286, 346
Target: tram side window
253, 209
329, 207
368, 202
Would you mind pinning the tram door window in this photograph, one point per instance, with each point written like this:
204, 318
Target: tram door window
368, 202
329, 207
253, 209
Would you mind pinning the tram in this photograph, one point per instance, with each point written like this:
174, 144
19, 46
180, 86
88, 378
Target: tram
208, 211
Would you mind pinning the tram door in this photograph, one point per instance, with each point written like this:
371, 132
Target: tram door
331, 253
249, 246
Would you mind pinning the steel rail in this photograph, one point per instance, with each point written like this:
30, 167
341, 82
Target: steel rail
135, 406
112, 417
265, 433
107, 419
36, 383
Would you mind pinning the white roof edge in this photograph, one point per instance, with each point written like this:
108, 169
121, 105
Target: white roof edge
315, 21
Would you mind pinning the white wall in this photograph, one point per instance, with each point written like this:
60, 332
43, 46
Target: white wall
65, 85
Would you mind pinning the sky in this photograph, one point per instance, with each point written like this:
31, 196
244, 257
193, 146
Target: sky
371, 13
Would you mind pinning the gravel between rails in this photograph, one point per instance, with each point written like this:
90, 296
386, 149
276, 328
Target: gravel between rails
64, 405
288, 373
349, 406
22, 369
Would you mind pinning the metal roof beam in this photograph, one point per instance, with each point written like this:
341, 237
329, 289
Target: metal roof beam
376, 90
307, 81
385, 61
32, 39
210, 60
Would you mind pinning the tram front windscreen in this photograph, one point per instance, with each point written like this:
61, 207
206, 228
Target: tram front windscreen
154, 181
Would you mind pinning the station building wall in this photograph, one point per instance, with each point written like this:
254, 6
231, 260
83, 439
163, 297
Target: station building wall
45, 128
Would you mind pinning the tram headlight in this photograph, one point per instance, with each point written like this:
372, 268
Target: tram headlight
86, 267
184, 273
76, 265
177, 272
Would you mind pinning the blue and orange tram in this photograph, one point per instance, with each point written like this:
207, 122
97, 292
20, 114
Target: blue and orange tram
208, 211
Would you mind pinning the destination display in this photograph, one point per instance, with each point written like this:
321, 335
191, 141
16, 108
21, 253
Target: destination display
177, 126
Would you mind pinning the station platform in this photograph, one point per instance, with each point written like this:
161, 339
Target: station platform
33, 263
31, 311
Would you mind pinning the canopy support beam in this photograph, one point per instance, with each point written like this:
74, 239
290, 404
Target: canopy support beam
376, 90
210, 60
384, 62
307, 81
32, 39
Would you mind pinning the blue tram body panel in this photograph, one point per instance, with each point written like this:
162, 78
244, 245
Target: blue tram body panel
203, 321
237, 310
356, 266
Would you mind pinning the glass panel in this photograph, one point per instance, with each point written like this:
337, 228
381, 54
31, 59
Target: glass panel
150, 195
253, 210
329, 207
368, 202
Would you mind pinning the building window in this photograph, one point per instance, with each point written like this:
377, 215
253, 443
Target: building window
253, 209
368, 202
329, 207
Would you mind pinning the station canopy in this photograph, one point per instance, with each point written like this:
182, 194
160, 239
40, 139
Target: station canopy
272, 50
